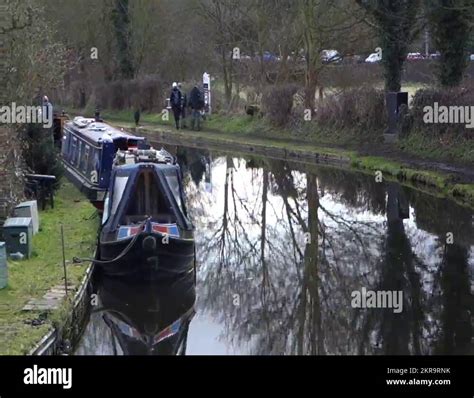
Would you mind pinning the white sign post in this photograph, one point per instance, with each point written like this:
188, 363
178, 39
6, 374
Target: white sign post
206, 82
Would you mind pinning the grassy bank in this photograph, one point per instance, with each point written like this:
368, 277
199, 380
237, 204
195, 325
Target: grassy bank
427, 147
32, 278
457, 150
255, 131
435, 182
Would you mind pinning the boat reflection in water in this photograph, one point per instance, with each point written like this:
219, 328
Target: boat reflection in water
145, 260
142, 316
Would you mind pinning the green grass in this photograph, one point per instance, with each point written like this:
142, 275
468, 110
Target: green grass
402, 173
464, 191
33, 277
240, 124
433, 182
430, 147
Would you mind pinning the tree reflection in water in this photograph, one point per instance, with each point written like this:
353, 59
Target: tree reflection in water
281, 247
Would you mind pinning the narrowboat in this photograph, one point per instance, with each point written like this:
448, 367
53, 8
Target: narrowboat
88, 149
147, 317
145, 228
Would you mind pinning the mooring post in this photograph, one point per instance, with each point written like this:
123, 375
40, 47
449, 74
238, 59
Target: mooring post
64, 259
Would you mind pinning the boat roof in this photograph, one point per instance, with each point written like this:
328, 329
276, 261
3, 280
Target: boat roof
135, 156
99, 131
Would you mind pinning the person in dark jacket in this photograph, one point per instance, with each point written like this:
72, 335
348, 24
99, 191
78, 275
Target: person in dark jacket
136, 116
175, 102
97, 116
184, 104
196, 103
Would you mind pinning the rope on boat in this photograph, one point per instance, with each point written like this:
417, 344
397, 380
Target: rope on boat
124, 252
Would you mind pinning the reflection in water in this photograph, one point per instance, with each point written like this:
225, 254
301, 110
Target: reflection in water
281, 247
140, 317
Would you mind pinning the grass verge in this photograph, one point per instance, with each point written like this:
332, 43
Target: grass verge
33, 277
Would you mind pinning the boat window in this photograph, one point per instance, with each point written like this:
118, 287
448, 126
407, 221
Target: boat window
85, 159
148, 200
74, 150
119, 187
172, 180
66, 143
95, 160
79, 157
105, 215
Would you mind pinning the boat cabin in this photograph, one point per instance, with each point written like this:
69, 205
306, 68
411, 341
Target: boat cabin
88, 150
145, 191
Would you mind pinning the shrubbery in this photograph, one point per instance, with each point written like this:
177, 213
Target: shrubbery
40, 154
459, 97
358, 110
448, 141
277, 103
148, 93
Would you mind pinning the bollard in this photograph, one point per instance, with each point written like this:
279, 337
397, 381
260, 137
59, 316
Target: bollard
3, 266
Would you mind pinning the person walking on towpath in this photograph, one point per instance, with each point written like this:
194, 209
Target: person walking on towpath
175, 102
196, 103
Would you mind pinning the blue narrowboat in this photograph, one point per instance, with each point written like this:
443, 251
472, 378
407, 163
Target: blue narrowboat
145, 226
88, 150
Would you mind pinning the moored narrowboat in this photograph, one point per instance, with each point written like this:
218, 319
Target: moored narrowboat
88, 149
145, 228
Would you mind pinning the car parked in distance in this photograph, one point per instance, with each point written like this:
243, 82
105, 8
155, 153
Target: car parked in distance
269, 57
331, 56
471, 57
414, 56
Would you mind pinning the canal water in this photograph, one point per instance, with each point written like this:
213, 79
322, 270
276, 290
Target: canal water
295, 258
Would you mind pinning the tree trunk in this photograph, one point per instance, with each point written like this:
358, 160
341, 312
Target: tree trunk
227, 78
311, 83
121, 20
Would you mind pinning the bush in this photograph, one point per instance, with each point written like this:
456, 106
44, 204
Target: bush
277, 103
460, 96
147, 93
39, 152
359, 110
218, 101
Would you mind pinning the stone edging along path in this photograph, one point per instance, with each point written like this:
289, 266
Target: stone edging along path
54, 341
453, 184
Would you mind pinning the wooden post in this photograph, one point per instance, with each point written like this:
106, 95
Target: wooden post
64, 259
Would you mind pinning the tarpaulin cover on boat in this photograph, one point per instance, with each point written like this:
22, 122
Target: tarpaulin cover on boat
142, 191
